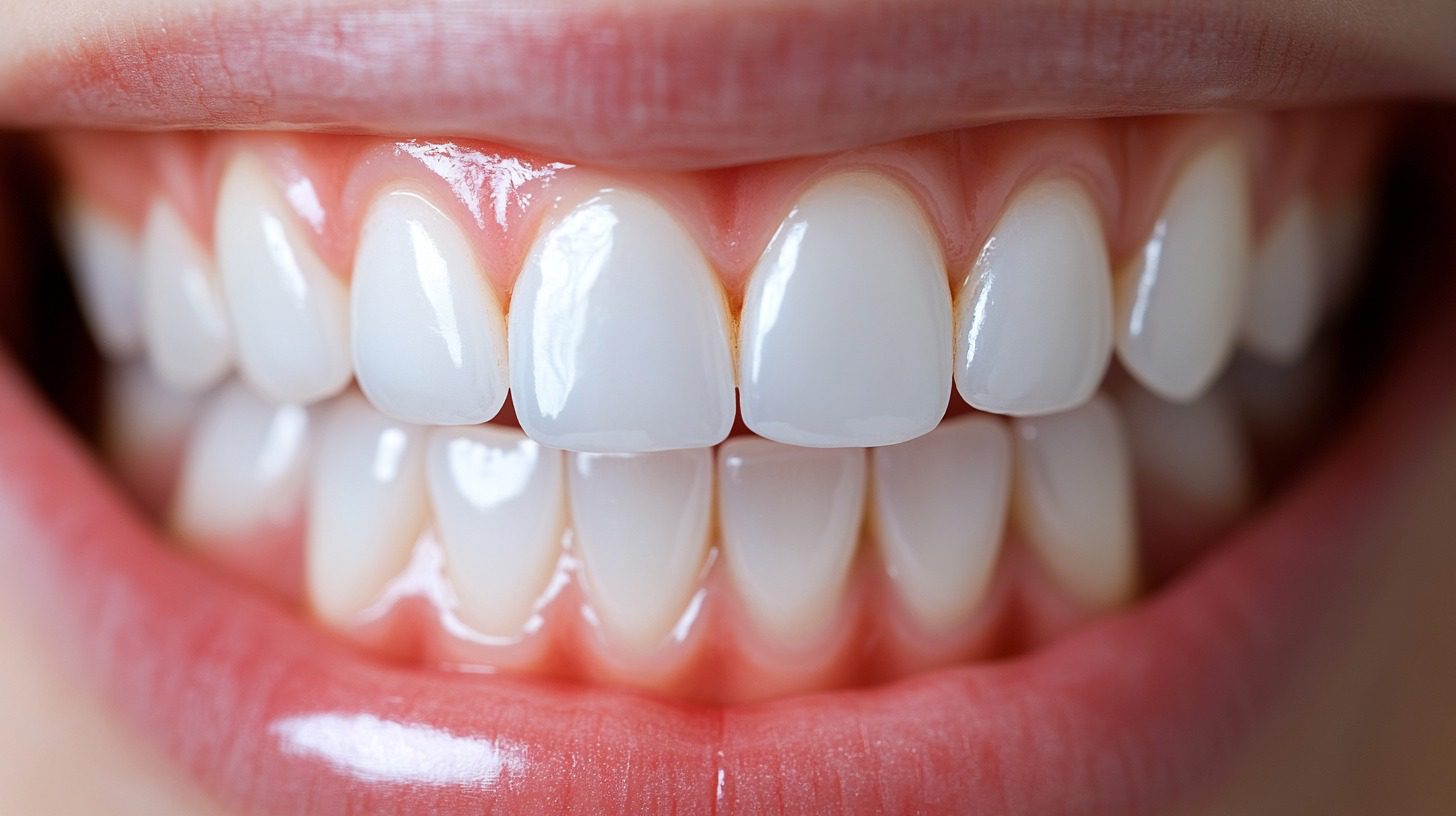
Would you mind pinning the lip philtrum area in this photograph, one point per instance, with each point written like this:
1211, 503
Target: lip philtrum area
614, 305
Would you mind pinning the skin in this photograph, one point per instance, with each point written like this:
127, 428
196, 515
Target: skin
54, 731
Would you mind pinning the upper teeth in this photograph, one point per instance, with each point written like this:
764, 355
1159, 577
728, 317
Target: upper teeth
620, 334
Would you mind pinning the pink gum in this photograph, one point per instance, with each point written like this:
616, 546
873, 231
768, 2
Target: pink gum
963, 179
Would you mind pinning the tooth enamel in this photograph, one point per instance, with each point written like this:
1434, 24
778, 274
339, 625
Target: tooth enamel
845, 336
790, 520
244, 468
105, 268
184, 322
619, 335
1181, 301
1073, 500
641, 525
498, 507
940, 509
1194, 452
1287, 291
429, 333
144, 430
289, 313
367, 506
1034, 319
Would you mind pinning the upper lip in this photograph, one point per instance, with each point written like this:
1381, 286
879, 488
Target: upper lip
689, 84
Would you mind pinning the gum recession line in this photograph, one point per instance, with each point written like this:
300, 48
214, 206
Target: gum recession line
726, 210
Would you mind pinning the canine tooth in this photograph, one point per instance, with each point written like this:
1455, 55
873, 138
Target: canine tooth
790, 521
1287, 287
1196, 452
498, 500
1073, 500
1034, 319
290, 315
619, 334
641, 524
184, 321
429, 333
1181, 302
367, 506
244, 468
846, 325
940, 510
105, 268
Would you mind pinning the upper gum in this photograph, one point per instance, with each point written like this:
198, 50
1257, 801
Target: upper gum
962, 180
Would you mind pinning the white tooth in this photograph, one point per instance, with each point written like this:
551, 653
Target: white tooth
846, 326
145, 429
1195, 452
1287, 290
498, 506
290, 315
184, 321
1181, 301
104, 263
367, 506
790, 521
429, 333
641, 524
244, 468
619, 335
940, 510
1034, 319
1073, 500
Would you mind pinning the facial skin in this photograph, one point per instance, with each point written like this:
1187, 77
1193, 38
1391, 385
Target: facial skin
1372, 731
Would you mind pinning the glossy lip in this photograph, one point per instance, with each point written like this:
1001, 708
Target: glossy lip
686, 83
1132, 715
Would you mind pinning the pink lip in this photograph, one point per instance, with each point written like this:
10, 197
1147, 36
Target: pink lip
1128, 716
693, 84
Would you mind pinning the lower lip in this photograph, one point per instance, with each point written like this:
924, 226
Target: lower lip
1130, 715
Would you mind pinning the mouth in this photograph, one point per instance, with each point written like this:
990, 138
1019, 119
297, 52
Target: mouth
606, 457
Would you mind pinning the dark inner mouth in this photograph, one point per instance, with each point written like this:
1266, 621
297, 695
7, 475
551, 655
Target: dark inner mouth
43, 328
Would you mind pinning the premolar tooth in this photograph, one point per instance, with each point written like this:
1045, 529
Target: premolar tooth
846, 326
790, 521
1287, 287
641, 524
1181, 302
1034, 319
106, 269
940, 510
244, 468
498, 506
619, 334
429, 333
184, 321
1073, 500
367, 506
290, 315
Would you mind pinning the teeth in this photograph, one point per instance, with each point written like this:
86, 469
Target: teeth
429, 334
367, 506
144, 430
498, 506
641, 522
184, 321
244, 468
940, 510
289, 313
1073, 500
845, 339
1346, 234
1195, 453
105, 268
790, 521
1287, 292
1035, 316
619, 335
1180, 304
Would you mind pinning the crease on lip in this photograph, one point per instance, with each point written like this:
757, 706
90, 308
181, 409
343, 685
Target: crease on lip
684, 84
